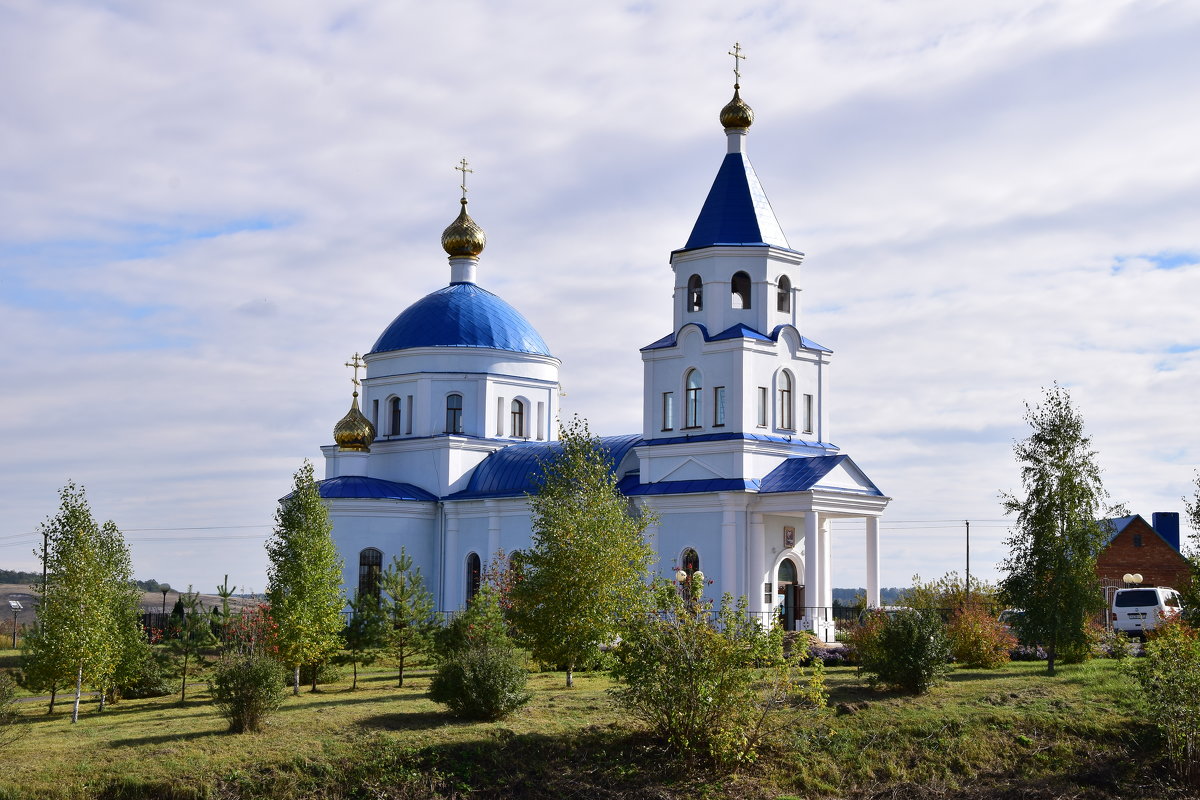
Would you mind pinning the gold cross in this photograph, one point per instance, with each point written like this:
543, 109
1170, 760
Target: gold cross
462, 167
736, 52
356, 363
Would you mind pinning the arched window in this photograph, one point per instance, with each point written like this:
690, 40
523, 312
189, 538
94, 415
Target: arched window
454, 413
370, 568
739, 285
518, 418
689, 561
784, 299
695, 293
786, 420
394, 416
474, 576
691, 403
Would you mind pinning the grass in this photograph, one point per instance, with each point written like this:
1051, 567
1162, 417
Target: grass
1011, 732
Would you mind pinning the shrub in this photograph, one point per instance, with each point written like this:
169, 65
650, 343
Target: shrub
977, 639
1114, 644
246, 688
326, 673
485, 682
8, 712
692, 683
479, 674
150, 678
1170, 679
1076, 652
1027, 652
905, 650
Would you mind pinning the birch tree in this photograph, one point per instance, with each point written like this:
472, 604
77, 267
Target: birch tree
303, 579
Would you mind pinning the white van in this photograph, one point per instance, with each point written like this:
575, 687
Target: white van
1135, 611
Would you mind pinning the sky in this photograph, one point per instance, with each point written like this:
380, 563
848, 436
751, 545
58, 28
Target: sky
209, 207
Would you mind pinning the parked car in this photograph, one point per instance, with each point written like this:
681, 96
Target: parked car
1136, 611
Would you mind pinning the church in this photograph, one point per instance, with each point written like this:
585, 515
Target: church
460, 404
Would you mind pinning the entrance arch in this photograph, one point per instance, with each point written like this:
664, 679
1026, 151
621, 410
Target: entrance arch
791, 593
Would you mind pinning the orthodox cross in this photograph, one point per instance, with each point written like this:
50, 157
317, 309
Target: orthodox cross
736, 52
356, 363
462, 167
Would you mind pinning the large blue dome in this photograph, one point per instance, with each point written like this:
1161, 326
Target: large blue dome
461, 315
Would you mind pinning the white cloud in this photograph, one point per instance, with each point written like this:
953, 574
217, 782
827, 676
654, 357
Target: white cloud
208, 207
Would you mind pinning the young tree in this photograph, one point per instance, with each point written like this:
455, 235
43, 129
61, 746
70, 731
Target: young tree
76, 616
1051, 568
1191, 593
588, 561
408, 607
303, 579
130, 648
365, 635
195, 633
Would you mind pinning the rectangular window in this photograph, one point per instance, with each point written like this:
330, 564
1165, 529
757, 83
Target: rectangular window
375, 413
718, 407
408, 426
668, 411
762, 406
808, 413
768, 595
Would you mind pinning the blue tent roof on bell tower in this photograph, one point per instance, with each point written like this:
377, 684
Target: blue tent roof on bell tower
737, 211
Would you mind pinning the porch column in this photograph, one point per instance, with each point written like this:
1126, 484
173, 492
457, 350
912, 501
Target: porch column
450, 569
727, 577
493, 509
826, 628
872, 562
812, 560
755, 568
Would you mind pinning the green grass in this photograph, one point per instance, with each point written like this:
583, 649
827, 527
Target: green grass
1008, 732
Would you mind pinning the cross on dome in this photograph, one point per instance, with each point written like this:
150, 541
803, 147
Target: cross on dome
462, 167
356, 363
736, 52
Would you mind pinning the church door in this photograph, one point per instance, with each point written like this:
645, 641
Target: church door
787, 585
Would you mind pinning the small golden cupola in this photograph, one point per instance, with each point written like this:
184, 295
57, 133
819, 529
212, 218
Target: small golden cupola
736, 113
463, 238
354, 432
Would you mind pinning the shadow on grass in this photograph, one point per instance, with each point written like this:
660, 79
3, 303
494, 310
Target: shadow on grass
168, 738
967, 674
411, 721
345, 699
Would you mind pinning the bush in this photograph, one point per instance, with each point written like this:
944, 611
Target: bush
1170, 679
150, 678
905, 650
1114, 644
246, 688
327, 673
8, 711
484, 683
977, 639
692, 682
1027, 652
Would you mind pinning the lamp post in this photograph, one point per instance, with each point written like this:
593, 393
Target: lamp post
164, 591
691, 585
15, 606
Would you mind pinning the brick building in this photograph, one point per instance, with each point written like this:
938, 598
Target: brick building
1145, 548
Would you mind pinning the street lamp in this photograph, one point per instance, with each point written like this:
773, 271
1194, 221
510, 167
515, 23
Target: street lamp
1134, 578
164, 591
15, 606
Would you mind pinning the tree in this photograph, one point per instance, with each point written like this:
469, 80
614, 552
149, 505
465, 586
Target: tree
365, 635
80, 623
408, 607
1051, 568
194, 634
130, 648
303, 578
1191, 593
588, 560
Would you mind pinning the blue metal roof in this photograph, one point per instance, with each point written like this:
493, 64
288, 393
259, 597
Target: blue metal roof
738, 331
737, 211
630, 487
514, 470
804, 473
461, 315
363, 488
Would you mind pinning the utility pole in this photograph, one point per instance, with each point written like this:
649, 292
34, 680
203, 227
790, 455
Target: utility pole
967, 522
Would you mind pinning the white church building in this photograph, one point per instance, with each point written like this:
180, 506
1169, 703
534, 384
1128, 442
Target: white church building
461, 399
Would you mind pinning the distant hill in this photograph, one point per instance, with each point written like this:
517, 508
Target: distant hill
20, 576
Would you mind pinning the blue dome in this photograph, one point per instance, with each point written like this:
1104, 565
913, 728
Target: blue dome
461, 315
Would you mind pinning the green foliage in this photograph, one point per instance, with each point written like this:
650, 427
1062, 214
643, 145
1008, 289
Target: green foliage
193, 633
1051, 568
588, 559
977, 639
303, 578
87, 619
948, 592
365, 636
1191, 591
906, 650
479, 673
8, 711
760, 647
150, 678
246, 688
1169, 676
408, 608
691, 682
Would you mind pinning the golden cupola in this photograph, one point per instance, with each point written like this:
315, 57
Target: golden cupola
354, 432
736, 113
463, 237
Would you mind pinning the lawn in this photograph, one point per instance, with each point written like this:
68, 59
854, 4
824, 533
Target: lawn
1001, 733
